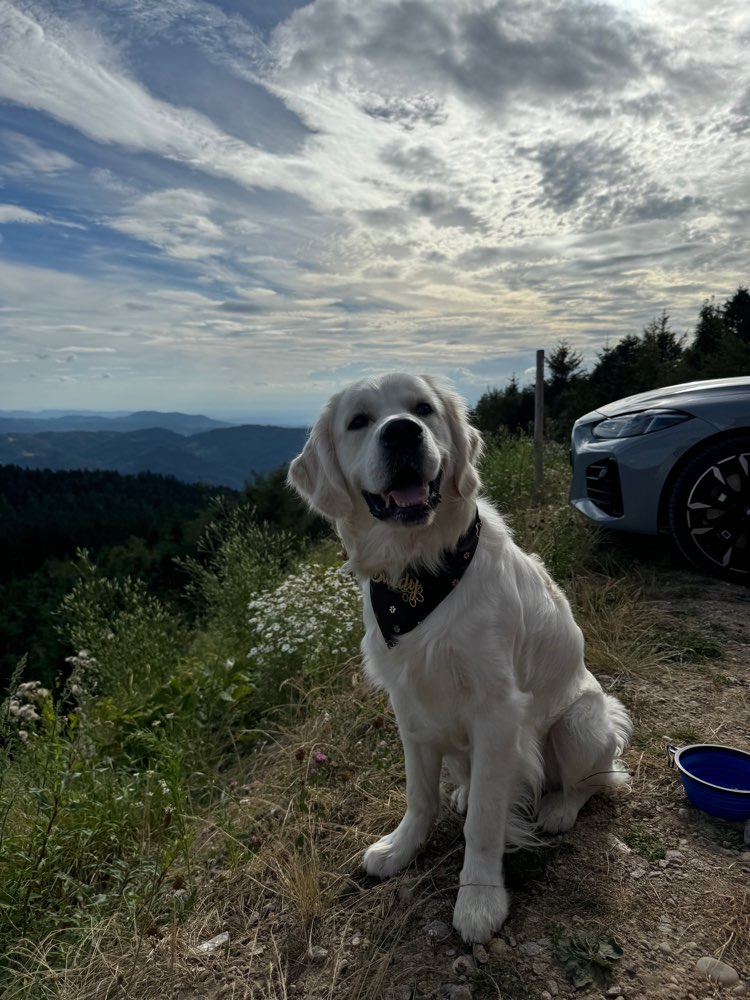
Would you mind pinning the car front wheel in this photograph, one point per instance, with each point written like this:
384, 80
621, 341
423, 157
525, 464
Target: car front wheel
709, 509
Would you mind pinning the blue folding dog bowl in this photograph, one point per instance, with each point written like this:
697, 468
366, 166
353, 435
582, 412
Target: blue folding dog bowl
716, 779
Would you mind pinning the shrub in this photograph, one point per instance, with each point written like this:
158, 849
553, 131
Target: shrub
306, 626
239, 558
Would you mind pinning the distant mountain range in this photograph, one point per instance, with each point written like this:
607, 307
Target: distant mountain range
223, 456
20, 422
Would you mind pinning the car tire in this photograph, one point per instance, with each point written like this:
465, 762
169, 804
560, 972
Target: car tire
709, 509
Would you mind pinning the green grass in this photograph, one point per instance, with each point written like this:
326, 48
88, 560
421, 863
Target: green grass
644, 842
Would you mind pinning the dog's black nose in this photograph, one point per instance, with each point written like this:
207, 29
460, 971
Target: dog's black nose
401, 433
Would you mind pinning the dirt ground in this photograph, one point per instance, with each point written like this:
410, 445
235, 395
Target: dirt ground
640, 890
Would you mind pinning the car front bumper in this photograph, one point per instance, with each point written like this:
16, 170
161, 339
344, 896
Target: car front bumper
618, 482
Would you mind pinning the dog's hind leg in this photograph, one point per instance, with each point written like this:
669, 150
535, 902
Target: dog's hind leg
583, 756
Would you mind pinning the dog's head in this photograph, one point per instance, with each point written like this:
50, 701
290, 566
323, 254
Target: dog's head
389, 448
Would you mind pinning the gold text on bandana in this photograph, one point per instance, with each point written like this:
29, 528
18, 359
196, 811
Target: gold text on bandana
410, 588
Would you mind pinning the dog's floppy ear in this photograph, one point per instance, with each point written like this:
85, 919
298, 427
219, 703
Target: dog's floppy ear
316, 473
467, 441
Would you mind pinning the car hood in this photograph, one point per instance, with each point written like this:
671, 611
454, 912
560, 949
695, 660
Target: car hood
678, 397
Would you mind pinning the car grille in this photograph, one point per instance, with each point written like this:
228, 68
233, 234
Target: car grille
603, 487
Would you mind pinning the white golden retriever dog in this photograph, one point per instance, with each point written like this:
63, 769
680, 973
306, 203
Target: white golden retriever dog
472, 640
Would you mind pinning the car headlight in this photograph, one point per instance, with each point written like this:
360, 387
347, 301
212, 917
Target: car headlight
634, 424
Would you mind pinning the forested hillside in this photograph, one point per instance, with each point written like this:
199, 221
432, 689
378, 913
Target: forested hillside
133, 525
227, 456
143, 527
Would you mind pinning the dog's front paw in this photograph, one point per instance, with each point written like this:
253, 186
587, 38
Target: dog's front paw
480, 911
388, 855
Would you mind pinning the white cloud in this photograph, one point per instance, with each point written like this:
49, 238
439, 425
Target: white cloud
29, 157
14, 213
177, 221
25, 216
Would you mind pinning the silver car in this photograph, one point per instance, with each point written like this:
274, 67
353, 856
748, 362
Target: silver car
675, 459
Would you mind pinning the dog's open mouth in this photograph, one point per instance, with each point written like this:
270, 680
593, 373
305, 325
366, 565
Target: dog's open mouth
408, 499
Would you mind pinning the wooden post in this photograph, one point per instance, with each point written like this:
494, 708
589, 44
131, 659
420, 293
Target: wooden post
539, 427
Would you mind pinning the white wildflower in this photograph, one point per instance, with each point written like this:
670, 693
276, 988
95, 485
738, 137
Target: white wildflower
315, 613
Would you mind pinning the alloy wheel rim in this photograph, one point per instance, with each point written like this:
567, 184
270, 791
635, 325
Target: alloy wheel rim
718, 513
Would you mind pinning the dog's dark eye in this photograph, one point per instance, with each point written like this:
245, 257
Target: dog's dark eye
358, 421
423, 409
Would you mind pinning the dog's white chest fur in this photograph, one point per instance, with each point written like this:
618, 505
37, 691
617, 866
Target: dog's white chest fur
427, 679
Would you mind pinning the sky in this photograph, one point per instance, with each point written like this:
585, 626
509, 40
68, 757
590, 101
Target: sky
238, 207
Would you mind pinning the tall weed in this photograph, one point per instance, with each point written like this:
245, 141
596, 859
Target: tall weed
560, 536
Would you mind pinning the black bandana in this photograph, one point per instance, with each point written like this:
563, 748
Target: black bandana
401, 608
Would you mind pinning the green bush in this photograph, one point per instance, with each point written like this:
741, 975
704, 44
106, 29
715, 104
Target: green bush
98, 788
132, 639
81, 836
550, 528
239, 558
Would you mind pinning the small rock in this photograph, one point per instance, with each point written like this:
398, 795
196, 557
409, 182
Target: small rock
614, 991
206, 947
530, 948
683, 815
497, 948
638, 873
665, 948
450, 952
552, 987
717, 971
438, 930
544, 995
464, 966
342, 967
540, 969
619, 845
356, 941
676, 857
457, 992
317, 953
480, 954
739, 990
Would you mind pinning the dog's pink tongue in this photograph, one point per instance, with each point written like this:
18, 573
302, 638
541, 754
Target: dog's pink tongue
411, 497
